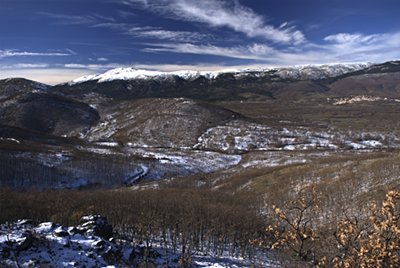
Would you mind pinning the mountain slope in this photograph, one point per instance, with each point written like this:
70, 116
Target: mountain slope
47, 113
12, 87
158, 122
370, 84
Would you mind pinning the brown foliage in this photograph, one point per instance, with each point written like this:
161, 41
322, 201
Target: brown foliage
371, 239
294, 230
375, 243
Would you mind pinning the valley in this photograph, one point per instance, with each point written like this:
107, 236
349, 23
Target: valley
261, 136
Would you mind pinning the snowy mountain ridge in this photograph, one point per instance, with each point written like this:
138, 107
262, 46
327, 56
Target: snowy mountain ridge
313, 72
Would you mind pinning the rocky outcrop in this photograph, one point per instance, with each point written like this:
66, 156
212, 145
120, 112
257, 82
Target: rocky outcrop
90, 244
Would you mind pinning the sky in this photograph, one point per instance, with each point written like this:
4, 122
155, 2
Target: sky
54, 41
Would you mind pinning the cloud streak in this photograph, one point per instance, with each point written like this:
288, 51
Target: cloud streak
23, 66
98, 21
230, 33
17, 53
161, 34
228, 14
336, 48
239, 52
375, 47
65, 19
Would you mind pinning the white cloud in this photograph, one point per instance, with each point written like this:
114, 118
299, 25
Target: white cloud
339, 48
111, 25
260, 49
255, 52
214, 13
23, 66
102, 59
77, 20
90, 66
157, 33
345, 38
230, 14
238, 52
357, 46
133, 2
153, 32
17, 53
69, 19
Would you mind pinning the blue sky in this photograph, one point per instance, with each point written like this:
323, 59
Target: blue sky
57, 40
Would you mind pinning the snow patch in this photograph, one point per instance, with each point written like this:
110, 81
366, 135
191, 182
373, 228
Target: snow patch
361, 98
10, 139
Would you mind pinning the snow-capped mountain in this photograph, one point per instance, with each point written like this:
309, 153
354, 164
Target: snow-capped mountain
316, 72
309, 72
299, 83
133, 73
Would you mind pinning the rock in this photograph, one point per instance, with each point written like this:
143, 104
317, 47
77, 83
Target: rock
61, 232
111, 255
99, 245
96, 225
45, 227
25, 242
63, 246
25, 222
72, 230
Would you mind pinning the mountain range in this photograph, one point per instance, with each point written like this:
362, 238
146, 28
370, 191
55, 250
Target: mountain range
148, 125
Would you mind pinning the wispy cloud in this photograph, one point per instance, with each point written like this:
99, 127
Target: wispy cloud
18, 53
342, 38
336, 48
122, 27
149, 32
98, 21
255, 39
374, 47
161, 34
254, 53
90, 66
23, 66
221, 13
76, 20
239, 52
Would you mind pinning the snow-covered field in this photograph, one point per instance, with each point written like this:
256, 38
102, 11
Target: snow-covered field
191, 161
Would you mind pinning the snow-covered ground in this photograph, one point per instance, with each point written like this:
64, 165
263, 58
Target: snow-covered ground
92, 244
240, 136
361, 98
192, 161
23, 244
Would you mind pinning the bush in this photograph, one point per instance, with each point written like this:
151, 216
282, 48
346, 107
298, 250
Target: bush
370, 239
